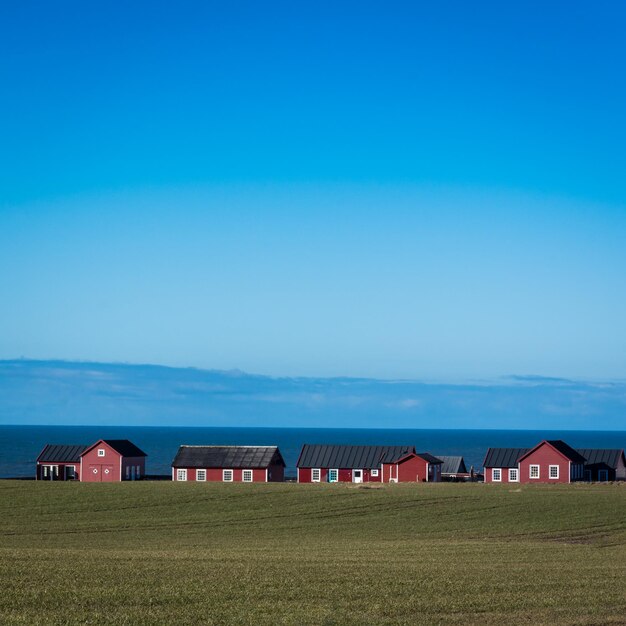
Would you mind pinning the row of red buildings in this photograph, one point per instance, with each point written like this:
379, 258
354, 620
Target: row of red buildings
117, 460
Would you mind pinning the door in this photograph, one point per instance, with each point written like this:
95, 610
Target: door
357, 476
95, 473
603, 476
107, 473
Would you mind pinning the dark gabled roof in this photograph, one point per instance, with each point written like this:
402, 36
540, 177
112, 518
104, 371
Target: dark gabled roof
453, 465
254, 457
61, 453
121, 446
433, 460
559, 445
602, 456
503, 457
350, 457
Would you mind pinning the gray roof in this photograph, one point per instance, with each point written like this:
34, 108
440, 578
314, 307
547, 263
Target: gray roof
254, 457
504, 457
122, 446
565, 450
350, 457
453, 465
601, 456
433, 460
61, 453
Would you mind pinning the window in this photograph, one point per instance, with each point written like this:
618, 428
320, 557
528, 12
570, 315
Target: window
247, 476
181, 474
603, 476
333, 475
554, 471
45, 471
227, 476
496, 475
316, 475
201, 474
70, 472
513, 475
100, 451
533, 471
138, 471
375, 473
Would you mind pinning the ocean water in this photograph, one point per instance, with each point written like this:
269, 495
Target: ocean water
20, 445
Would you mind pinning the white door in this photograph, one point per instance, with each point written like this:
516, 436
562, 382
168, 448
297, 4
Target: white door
357, 476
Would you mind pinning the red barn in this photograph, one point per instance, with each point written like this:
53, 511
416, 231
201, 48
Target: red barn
59, 462
247, 464
112, 460
359, 464
551, 462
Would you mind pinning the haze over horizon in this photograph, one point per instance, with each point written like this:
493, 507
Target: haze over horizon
61, 392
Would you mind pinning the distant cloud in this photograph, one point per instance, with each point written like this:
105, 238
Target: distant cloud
58, 392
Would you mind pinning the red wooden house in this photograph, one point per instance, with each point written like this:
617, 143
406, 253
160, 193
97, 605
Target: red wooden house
359, 464
248, 464
548, 462
112, 460
59, 462
551, 462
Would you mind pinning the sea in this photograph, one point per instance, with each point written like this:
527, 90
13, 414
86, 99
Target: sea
20, 445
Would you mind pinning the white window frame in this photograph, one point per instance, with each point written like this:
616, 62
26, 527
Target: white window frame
374, 473
316, 472
530, 472
201, 472
330, 475
493, 474
228, 475
181, 474
513, 471
101, 452
550, 468
247, 472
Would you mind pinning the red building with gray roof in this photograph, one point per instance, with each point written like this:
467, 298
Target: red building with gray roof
59, 462
364, 464
229, 464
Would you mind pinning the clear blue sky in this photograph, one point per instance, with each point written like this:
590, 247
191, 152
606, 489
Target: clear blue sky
389, 190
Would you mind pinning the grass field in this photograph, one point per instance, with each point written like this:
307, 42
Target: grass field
163, 553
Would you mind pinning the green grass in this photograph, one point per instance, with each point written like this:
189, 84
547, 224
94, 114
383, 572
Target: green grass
164, 553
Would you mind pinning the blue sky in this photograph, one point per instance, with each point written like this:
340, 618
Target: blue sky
395, 191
